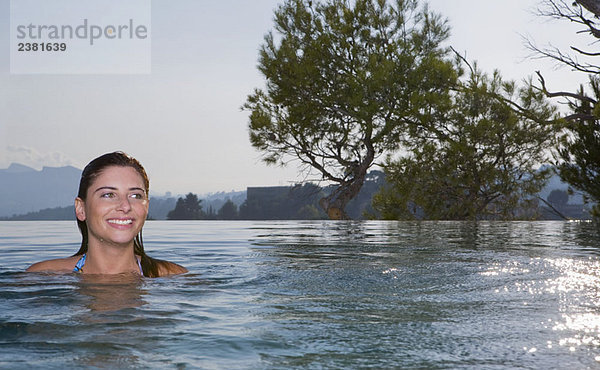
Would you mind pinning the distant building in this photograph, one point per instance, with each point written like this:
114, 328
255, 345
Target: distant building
297, 202
266, 193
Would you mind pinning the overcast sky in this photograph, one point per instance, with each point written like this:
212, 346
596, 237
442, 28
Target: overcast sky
183, 121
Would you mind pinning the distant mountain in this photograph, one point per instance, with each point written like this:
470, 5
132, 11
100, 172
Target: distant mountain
17, 168
24, 189
216, 200
47, 214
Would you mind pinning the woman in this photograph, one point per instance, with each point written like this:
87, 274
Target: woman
111, 208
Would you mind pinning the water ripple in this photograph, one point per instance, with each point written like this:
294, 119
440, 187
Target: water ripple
312, 295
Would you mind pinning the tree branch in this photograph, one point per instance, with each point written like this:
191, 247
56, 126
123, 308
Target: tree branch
552, 208
585, 52
593, 6
563, 94
579, 116
463, 59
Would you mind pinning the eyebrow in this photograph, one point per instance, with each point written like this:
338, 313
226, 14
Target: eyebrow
113, 188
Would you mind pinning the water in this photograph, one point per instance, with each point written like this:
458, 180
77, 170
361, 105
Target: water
273, 295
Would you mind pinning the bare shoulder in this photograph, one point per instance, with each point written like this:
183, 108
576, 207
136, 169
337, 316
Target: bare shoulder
54, 265
166, 268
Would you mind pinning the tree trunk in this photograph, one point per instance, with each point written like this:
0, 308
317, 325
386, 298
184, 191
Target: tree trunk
593, 6
335, 203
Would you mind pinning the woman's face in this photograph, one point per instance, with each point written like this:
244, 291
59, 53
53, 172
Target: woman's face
116, 206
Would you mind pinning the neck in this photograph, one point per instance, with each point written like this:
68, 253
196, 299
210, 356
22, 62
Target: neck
109, 259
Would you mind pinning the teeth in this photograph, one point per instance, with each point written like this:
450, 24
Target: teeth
120, 222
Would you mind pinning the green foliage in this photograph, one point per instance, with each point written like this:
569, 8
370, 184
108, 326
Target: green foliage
579, 154
477, 157
210, 213
187, 208
346, 80
228, 211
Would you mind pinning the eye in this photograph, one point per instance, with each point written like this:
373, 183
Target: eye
137, 196
108, 195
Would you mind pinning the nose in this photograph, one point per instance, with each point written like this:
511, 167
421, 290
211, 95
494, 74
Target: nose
124, 204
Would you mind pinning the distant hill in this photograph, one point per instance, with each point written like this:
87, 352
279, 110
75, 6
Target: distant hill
47, 214
25, 189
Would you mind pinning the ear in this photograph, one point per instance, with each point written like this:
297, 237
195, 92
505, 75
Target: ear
80, 209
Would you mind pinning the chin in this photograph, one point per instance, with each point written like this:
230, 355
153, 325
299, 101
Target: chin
123, 239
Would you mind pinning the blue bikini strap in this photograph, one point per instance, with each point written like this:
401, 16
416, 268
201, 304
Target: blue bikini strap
80, 263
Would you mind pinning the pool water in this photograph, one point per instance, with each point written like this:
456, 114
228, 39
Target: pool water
293, 294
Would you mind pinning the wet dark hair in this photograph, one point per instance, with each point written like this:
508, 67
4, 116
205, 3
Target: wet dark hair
150, 266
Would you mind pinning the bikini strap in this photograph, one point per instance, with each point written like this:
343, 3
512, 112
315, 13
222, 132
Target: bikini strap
80, 263
140, 265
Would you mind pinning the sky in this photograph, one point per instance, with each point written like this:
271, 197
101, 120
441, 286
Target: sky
183, 120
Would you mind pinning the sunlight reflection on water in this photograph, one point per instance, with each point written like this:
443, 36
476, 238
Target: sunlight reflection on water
574, 283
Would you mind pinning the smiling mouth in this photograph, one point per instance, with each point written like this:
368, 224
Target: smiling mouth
121, 222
